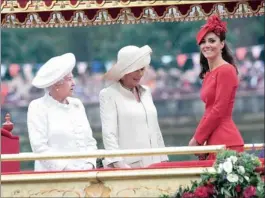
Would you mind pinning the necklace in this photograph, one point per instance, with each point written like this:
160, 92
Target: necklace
136, 93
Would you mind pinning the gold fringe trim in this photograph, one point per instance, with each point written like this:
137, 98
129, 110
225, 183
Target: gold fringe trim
126, 16
13, 6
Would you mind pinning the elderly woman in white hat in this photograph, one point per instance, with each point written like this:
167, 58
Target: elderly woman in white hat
128, 114
57, 122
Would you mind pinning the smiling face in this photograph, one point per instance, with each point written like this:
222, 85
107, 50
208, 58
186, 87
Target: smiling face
211, 46
132, 79
66, 86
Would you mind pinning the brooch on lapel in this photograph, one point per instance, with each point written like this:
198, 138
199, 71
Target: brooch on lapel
76, 105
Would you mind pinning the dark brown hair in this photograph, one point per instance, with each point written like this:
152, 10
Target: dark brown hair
226, 54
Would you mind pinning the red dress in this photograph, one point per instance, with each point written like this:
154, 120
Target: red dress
218, 93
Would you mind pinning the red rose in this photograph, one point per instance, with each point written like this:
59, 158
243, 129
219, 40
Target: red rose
201, 192
249, 192
238, 188
210, 188
188, 195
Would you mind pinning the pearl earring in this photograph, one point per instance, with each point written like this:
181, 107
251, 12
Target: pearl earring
57, 89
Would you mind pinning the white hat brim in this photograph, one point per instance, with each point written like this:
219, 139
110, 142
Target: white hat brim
54, 70
142, 59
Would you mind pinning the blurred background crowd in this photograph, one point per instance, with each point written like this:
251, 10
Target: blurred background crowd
175, 59
172, 78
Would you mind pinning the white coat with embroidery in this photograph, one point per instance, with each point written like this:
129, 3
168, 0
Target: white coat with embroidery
56, 127
128, 124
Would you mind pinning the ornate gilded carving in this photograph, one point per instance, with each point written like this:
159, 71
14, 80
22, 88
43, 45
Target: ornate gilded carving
55, 5
97, 190
84, 16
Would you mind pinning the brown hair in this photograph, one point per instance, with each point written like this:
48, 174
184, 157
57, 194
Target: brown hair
226, 54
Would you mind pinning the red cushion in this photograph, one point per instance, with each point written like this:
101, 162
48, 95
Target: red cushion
184, 164
163, 165
181, 164
97, 169
9, 145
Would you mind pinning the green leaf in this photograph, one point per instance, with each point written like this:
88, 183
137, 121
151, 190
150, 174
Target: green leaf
222, 191
227, 193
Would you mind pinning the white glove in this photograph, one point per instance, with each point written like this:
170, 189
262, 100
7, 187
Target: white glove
79, 165
121, 164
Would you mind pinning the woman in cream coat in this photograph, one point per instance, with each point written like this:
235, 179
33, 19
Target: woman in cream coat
57, 123
128, 114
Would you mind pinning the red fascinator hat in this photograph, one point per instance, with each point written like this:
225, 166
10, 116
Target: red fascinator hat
214, 24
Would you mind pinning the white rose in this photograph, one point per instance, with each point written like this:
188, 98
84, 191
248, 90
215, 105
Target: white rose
241, 169
233, 159
232, 177
228, 167
220, 168
247, 178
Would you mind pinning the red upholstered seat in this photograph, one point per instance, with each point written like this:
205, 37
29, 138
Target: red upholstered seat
183, 164
9, 145
163, 165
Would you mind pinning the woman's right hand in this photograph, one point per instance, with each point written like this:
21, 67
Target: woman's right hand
202, 156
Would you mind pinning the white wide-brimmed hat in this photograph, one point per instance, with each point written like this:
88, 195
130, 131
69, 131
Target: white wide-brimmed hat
130, 59
54, 70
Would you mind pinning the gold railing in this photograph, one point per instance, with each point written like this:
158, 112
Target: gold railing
97, 175
248, 147
114, 153
184, 150
121, 174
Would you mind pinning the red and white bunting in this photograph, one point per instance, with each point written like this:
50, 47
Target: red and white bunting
256, 50
181, 59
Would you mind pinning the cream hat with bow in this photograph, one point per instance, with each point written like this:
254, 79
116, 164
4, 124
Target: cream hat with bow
54, 70
130, 59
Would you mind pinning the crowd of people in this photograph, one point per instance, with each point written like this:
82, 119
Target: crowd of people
166, 82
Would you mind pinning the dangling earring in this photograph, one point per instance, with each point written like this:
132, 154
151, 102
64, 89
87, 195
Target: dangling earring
57, 89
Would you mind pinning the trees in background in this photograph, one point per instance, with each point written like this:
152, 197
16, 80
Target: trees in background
103, 42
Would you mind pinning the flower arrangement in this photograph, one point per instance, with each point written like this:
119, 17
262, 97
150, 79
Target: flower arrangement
235, 177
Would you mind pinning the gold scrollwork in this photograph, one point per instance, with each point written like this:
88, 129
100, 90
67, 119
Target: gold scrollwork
126, 16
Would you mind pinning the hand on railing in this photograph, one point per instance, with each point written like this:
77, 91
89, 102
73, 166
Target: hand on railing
193, 142
79, 165
202, 156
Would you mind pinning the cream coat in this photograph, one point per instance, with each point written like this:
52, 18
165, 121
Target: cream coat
128, 124
55, 127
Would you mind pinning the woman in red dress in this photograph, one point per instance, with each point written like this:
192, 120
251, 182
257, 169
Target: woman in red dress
220, 82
